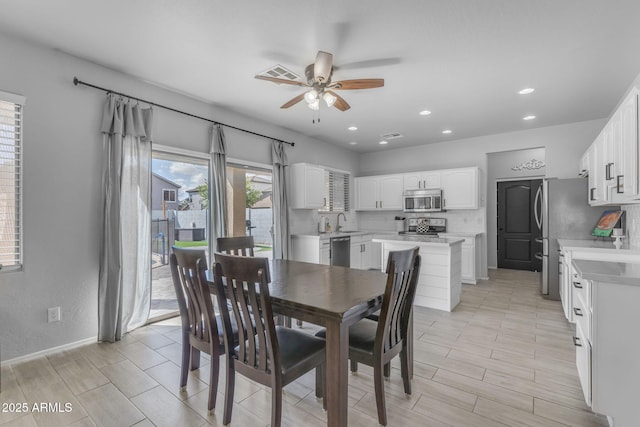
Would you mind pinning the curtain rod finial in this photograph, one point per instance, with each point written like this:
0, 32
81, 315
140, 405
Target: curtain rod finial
76, 81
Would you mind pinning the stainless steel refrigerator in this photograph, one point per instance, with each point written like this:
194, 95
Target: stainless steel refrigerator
562, 212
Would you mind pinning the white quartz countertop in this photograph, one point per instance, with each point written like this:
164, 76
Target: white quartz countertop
596, 245
461, 233
625, 273
394, 238
338, 234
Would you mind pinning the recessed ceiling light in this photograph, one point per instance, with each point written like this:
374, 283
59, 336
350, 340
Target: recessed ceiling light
425, 112
531, 117
353, 128
353, 143
526, 91
447, 131
383, 142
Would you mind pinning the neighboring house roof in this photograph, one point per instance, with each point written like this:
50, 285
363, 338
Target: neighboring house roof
168, 181
264, 203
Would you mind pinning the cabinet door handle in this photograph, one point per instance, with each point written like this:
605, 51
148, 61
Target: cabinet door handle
618, 185
577, 311
591, 194
376, 204
424, 184
577, 285
576, 341
380, 204
608, 171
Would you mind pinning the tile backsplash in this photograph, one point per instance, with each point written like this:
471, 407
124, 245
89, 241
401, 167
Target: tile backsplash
633, 225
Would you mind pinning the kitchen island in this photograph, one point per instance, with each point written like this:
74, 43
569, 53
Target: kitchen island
440, 281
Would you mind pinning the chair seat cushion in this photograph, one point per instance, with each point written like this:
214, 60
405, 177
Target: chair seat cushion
362, 335
299, 350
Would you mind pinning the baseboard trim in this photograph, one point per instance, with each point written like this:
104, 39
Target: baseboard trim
49, 351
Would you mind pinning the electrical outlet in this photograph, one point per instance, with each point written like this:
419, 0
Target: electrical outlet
53, 314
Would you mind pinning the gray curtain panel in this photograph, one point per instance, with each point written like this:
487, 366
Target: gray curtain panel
281, 234
218, 186
124, 288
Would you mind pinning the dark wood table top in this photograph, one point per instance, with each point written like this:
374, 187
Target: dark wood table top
317, 292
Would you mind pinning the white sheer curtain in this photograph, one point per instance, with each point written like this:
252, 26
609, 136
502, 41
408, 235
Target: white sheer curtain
124, 294
218, 185
281, 233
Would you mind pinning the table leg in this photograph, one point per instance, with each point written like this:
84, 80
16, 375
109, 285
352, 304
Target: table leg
337, 373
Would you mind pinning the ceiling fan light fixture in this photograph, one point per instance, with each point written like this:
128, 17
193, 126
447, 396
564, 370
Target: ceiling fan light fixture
329, 99
311, 96
315, 105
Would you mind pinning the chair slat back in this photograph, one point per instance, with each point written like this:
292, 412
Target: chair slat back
243, 283
242, 245
184, 272
403, 269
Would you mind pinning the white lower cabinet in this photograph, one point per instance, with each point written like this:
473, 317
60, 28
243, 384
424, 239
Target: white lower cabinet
364, 254
608, 347
471, 256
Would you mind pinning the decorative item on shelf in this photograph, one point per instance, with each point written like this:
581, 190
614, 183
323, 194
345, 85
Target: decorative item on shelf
618, 235
530, 165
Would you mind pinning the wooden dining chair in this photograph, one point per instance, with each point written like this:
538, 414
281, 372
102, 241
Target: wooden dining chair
242, 245
268, 354
201, 329
375, 343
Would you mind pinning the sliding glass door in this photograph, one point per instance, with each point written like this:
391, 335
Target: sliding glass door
180, 217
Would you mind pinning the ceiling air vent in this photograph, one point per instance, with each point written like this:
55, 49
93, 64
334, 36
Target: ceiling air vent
391, 135
280, 72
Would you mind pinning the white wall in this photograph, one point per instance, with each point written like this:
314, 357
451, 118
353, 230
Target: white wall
62, 175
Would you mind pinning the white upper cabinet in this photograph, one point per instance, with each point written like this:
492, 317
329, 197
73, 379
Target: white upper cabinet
308, 184
613, 157
422, 180
460, 189
626, 186
379, 192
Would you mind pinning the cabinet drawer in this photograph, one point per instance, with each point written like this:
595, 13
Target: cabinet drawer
582, 317
583, 363
581, 289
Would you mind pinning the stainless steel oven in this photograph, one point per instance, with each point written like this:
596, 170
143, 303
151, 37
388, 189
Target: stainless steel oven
422, 200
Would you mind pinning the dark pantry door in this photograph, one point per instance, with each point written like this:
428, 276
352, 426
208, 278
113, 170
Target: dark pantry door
517, 228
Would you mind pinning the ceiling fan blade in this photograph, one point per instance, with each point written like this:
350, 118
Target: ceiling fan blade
357, 84
340, 103
370, 63
322, 67
281, 81
293, 101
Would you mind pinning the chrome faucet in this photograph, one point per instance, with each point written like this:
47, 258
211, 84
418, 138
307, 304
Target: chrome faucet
338, 226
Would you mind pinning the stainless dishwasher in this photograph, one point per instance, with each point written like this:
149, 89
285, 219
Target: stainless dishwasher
340, 251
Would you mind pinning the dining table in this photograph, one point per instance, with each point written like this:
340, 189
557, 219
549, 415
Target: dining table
331, 296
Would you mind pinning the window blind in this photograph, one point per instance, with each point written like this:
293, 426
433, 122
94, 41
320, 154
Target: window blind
336, 191
11, 181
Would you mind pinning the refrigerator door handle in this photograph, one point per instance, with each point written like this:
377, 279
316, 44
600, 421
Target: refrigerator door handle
536, 206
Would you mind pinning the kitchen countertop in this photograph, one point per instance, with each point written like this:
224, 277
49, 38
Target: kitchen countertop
597, 245
463, 233
625, 273
440, 241
323, 236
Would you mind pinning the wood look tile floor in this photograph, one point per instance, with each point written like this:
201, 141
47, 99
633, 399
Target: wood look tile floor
503, 357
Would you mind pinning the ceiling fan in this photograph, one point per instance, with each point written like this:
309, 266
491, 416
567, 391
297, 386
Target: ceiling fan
322, 87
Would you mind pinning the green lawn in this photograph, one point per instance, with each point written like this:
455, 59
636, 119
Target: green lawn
190, 244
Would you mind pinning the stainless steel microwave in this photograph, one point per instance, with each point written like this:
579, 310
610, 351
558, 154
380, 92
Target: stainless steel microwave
422, 200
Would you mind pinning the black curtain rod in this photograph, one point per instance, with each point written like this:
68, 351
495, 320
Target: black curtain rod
77, 82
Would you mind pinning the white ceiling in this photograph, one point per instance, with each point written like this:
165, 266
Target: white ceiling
464, 60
